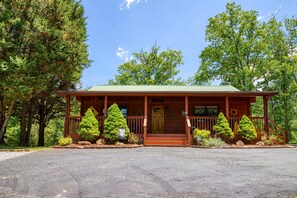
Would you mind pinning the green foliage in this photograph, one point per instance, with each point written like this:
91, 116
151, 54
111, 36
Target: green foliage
133, 139
53, 132
12, 135
203, 134
89, 127
150, 68
45, 52
114, 121
269, 141
64, 141
217, 142
246, 129
222, 127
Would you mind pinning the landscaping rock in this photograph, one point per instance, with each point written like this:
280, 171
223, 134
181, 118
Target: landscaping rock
99, 142
84, 143
119, 144
260, 143
239, 143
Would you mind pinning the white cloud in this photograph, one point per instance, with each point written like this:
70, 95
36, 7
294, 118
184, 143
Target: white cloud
123, 54
126, 4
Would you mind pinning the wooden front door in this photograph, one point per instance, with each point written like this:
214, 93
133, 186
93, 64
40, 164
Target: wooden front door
158, 119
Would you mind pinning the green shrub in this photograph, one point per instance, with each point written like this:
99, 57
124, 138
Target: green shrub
222, 127
203, 134
218, 142
246, 129
271, 140
114, 121
65, 141
53, 132
12, 135
133, 139
89, 127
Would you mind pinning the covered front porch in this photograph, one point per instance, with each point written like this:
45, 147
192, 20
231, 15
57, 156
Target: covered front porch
165, 119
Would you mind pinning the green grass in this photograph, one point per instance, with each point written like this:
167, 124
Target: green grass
36, 148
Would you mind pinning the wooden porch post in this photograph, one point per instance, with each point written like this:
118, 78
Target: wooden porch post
145, 120
266, 126
105, 107
227, 107
187, 129
67, 114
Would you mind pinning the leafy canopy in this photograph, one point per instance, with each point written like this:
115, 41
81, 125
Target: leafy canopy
150, 68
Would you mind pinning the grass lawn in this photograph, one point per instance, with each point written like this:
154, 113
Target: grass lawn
36, 148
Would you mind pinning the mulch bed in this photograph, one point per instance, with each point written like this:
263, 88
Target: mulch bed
233, 146
95, 146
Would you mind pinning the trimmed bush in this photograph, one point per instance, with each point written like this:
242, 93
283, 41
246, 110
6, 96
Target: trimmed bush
65, 141
218, 142
89, 127
114, 121
222, 127
203, 134
269, 141
133, 139
246, 129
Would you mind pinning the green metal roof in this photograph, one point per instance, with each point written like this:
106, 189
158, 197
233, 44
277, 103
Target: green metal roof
163, 88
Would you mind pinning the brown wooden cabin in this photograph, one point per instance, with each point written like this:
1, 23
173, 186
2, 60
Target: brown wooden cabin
167, 115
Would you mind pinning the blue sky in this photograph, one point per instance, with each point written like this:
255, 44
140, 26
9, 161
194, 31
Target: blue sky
117, 28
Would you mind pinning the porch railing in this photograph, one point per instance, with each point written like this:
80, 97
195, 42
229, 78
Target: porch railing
135, 124
204, 122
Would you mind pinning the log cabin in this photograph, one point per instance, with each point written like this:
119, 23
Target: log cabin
166, 115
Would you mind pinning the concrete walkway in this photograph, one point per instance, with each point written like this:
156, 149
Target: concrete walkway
151, 172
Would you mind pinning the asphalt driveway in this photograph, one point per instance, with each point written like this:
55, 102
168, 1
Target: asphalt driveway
151, 172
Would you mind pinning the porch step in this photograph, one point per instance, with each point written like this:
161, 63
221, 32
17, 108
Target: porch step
166, 140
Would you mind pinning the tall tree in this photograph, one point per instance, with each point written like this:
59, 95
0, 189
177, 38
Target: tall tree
236, 51
253, 55
150, 68
43, 44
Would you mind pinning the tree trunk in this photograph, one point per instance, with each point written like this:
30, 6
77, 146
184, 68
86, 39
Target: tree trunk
287, 127
30, 120
42, 123
7, 117
41, 133
23, 131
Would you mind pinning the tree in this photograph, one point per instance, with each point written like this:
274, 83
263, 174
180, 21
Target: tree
89, 127
222, 127
44, 49
236, 51
150, 68
114, 121
246, 129
253, 55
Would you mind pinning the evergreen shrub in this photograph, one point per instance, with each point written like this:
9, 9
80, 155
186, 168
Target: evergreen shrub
246, 129
89, 127
114, 121
222, 127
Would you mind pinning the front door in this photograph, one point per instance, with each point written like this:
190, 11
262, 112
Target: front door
158, 119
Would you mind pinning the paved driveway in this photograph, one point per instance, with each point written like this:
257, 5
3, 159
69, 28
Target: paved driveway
151, 172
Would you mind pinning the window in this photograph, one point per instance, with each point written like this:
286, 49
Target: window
123, 110
206, 110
